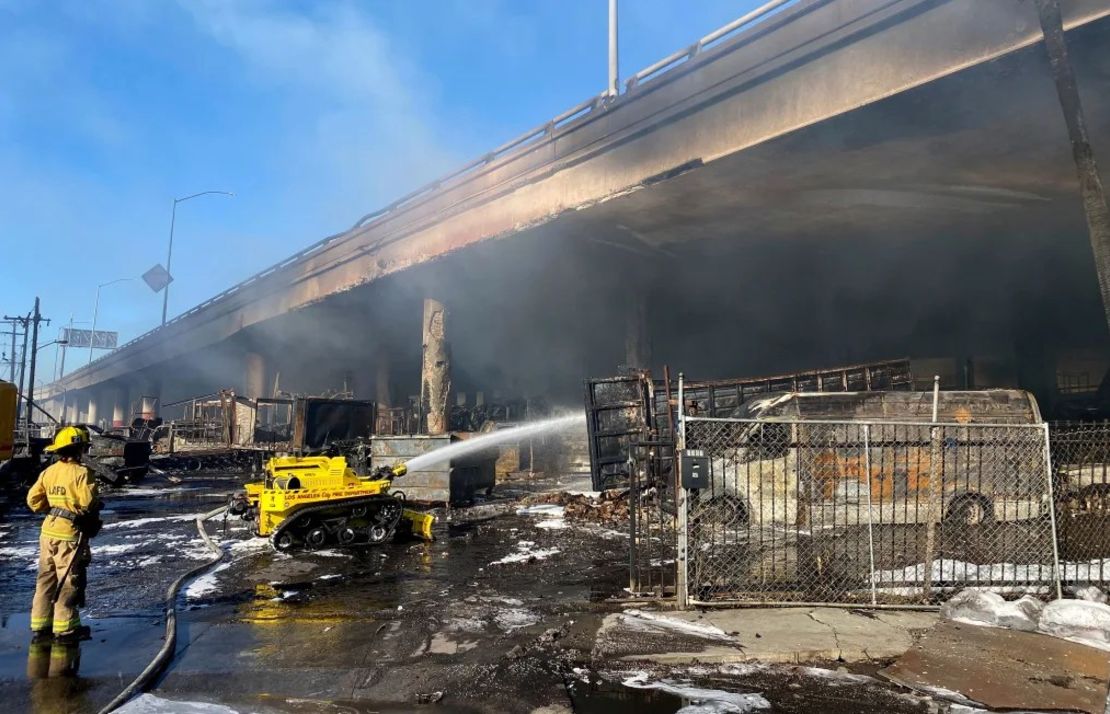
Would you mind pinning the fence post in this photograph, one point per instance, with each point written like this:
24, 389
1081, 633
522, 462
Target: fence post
1057, 575
933, 507
680, 504
633, 527
870, 529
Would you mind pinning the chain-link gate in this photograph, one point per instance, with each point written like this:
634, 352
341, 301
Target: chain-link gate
1081, 481
866, 512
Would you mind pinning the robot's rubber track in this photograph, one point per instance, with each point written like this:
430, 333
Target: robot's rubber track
338, 510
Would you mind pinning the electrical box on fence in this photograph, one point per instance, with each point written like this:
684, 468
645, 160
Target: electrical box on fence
695, 469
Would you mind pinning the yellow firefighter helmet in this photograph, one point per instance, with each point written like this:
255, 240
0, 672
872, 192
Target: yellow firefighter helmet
70, 436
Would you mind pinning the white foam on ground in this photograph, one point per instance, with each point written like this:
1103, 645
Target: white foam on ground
642, 620
704, 701
526, 551
1081, 621
21, 552
515, 619
130, 492
207, 583
547, 510
981, 607
1084, 622
136, 522
958, 571
150, 704
554, 524
115, 548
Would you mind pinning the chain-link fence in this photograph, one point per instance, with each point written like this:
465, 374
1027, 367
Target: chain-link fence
858, 512
651, 521
1081, 480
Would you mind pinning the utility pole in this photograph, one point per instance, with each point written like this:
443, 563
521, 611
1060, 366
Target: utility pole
24, 321
1090, 184
34, 359
12, 322
30, 324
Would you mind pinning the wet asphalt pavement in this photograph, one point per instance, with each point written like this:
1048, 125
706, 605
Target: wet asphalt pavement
497, 615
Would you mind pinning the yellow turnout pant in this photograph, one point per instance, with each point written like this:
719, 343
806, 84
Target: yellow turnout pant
58, 595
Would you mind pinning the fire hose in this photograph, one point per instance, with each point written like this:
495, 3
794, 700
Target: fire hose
165, 654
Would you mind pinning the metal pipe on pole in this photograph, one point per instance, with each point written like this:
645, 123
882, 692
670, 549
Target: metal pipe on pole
614, 74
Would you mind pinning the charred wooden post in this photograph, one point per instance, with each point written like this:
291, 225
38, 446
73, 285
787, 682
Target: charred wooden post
1090, 184
435, 373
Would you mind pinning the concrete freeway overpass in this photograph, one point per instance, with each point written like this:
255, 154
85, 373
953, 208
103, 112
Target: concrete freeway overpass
842, 180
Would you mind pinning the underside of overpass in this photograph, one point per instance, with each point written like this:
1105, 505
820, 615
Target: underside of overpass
944, 221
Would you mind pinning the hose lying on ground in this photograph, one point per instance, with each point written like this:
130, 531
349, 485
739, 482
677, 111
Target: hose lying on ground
165, 654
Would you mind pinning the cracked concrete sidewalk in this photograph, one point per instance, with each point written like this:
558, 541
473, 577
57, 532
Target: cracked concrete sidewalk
772, 635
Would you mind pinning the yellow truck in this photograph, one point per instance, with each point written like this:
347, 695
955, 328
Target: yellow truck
8, 403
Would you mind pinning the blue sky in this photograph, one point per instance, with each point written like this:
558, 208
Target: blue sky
313, 113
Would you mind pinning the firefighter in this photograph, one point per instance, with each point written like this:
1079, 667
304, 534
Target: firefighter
66, 491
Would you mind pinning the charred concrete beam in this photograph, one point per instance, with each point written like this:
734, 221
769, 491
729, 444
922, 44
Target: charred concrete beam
435, 373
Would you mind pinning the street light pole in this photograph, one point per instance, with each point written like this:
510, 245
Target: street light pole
96, 310
614, 77
169, 252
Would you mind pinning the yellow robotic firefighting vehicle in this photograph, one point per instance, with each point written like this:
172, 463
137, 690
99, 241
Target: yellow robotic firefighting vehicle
313, 502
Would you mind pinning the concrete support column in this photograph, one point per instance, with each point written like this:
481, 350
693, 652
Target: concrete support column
119, 407
254, 375
637, 343
435, 372
383, 374
82, 404
69, 406
149, 406
93, 411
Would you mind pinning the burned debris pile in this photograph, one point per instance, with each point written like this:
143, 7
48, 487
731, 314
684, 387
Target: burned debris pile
610, 508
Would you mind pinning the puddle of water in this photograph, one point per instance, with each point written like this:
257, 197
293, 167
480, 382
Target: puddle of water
605, 697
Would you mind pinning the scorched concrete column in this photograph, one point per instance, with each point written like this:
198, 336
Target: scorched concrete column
254, 377
93, 411
383, 374
82, 403
637, 343
435, 373
119, 407
70, 410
